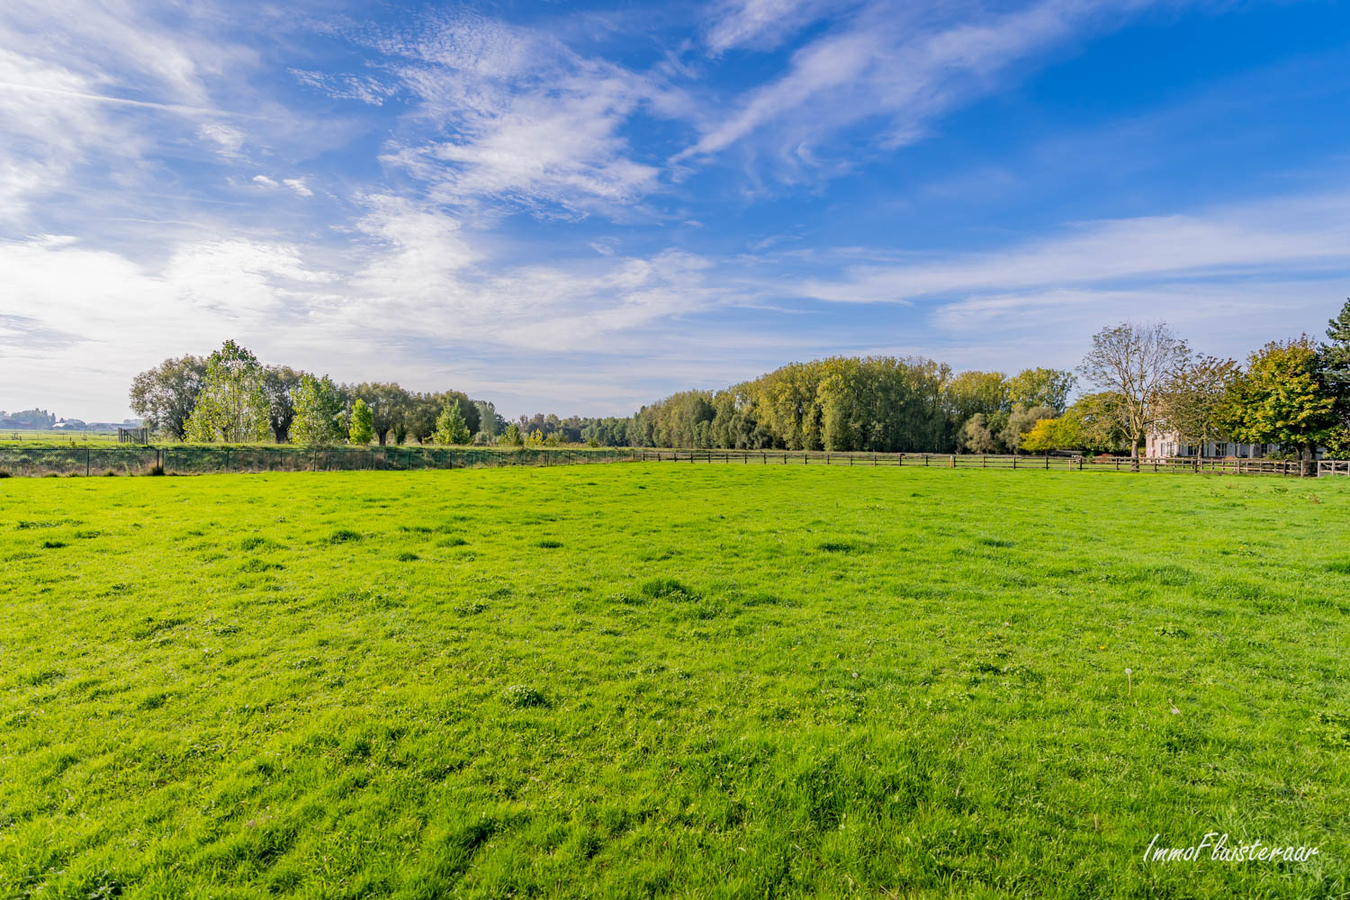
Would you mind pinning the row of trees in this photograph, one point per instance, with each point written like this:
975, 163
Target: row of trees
871, 404
1143, 378
230, 396
1293, 393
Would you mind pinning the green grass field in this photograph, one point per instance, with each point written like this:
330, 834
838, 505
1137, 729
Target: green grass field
58, 438
645, 679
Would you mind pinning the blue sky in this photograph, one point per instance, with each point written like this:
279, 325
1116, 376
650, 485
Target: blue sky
580, 208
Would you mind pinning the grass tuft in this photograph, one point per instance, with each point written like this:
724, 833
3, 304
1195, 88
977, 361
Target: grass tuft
520, 696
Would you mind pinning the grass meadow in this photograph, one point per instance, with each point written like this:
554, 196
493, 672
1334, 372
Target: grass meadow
651, 680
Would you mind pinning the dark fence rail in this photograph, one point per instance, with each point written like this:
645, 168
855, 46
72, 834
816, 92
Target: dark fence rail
1216, 466
198, 460
179, 460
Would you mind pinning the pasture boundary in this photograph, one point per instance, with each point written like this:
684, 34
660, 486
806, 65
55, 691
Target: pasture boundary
247, 459
1062, 463
242, 459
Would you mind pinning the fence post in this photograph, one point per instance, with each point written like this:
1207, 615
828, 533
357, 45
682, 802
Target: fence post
1014, 459
86, 461
1047, 464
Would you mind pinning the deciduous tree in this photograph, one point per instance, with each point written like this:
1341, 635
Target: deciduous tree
389, 405
164, 396
279, 384
1281, 399
1041, 387
450, 425
1133, 360
318, 412
1191, 397
362, 429
231, 406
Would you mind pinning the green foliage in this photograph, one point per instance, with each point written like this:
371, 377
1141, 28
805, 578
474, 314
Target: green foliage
231, 406
769, 681
977, 437
1334, 370
1191, 398
1280, 398
511, 437
1049, 388
165, 395
1099, 421
389, 404
318, 412
450, 425
362, 429
1062, 433
279, 384
1020, 421
1132, 361
975, 393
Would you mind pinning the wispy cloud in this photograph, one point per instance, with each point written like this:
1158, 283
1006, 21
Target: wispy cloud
1311, 234
897, 66
762, 24
509, 113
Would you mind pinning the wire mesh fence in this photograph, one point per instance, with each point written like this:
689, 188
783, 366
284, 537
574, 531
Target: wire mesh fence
181, 460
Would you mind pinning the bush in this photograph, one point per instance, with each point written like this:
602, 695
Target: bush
157, 470
3, 474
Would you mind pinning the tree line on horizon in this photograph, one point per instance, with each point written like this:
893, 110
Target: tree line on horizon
1142, 377
229, 396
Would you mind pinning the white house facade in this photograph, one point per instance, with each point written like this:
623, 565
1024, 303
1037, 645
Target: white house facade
1161, 444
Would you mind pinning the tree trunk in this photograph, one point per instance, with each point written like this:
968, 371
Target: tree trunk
382, 435
1307, 461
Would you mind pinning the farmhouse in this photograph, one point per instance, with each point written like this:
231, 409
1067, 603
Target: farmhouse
1162, 444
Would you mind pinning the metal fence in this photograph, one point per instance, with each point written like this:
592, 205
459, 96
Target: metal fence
112, 459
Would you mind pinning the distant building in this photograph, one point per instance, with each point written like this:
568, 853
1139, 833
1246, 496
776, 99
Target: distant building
1162, 444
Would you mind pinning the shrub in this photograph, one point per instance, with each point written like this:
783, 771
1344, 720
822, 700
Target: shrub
157, 470
3, 474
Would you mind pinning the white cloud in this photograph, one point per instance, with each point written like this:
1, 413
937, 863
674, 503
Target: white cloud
509, 113
95, 87
760, 24
1309, 234
900, 66
228, 139
365, 88
81, 321
299, 186
264, 181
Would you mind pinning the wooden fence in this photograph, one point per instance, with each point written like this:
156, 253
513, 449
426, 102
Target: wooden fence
1062, 463
1333, 467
